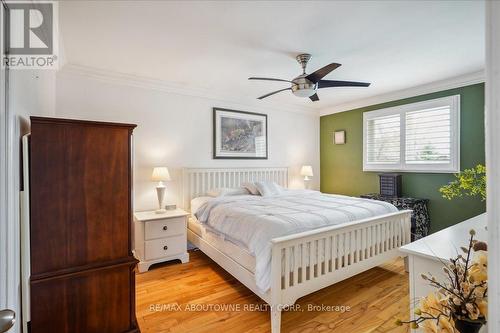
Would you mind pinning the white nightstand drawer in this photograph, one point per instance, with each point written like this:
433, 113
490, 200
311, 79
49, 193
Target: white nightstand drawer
164, 228
160, 237
165, 247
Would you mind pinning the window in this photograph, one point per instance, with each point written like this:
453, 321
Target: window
418, 137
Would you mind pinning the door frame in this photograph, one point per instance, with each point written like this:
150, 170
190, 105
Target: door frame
492, 126
3, 178
10, 259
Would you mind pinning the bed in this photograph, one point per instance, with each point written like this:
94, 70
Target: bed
298, 262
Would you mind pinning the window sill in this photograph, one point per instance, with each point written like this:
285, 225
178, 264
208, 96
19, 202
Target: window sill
411, 171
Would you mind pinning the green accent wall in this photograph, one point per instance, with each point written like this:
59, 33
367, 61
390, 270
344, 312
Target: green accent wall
342, 165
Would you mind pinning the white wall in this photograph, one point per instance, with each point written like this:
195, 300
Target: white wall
32, 92
176, 130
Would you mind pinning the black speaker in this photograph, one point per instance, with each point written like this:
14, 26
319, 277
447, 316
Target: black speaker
390, 184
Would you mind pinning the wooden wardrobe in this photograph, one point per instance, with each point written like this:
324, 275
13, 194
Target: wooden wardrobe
82, 267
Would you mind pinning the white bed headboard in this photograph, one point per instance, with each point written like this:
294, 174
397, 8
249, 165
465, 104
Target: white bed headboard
197, 181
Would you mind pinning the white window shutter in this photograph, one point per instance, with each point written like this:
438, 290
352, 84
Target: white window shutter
428, 136
383, 140
417, 137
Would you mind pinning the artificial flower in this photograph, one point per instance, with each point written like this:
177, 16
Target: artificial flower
462, 296
479, 269
483, 308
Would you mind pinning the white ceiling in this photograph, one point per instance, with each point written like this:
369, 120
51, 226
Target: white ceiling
218, 45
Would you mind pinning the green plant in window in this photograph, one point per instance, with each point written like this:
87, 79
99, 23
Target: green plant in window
471, 182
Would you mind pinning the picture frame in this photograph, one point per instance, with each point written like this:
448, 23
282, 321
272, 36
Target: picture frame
339, 137
239, 134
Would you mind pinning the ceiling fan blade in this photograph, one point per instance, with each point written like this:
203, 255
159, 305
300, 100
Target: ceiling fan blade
314, 97
268, 79
274, 92
333, 83
322, 72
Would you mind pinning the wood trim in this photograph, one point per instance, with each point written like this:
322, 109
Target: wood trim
74, 271
130, 232
428, 88
51, 120
453, 167
492, 120
7, 193
216, 95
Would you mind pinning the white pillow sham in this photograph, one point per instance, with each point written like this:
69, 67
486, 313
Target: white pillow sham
267, 188
226, 191
251, 188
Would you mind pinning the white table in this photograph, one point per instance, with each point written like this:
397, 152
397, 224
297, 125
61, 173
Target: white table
160, 237
427, 254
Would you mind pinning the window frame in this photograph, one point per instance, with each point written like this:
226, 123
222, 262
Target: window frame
454, 166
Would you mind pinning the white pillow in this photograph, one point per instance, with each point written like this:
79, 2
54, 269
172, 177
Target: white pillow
251, 188
198, 202
226, 191
268, 188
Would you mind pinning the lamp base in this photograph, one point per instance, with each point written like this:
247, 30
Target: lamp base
160, 191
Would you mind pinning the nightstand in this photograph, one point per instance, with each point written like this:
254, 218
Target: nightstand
420, 220
160, 237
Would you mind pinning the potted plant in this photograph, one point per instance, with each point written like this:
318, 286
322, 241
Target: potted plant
460, 304
471, 182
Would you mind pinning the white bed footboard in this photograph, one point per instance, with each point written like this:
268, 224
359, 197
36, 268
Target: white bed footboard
306, 262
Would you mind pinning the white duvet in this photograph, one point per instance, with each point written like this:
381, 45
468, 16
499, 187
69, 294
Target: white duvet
253, 221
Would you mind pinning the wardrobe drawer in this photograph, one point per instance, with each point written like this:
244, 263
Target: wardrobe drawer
165, 247
165, 228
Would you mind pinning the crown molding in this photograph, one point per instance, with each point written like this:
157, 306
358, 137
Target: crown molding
451, 83
144, 82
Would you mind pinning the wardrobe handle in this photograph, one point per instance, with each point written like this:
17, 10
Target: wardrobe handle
165, 228
165, 248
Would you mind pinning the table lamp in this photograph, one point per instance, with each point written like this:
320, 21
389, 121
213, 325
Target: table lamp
160, 174
307, 172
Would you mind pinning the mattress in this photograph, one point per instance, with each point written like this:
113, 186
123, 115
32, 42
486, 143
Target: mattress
235, 251
252, 221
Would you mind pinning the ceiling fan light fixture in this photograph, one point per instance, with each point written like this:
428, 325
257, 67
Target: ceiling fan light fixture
306, 85
304, 92
302, 87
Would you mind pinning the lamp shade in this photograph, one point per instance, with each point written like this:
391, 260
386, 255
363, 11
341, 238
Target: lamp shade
306, 171
160, 174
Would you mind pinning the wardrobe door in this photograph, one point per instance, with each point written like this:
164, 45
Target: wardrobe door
80, 207
82, 268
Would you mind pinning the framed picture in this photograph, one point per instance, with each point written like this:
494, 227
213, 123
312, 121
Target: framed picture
239, 134
339, 137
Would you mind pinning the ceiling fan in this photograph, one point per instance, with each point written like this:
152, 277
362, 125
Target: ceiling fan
306, 85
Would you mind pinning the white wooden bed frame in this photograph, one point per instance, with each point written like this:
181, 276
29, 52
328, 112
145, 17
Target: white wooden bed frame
328, 255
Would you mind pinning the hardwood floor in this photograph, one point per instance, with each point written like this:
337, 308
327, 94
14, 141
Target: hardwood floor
376, 298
